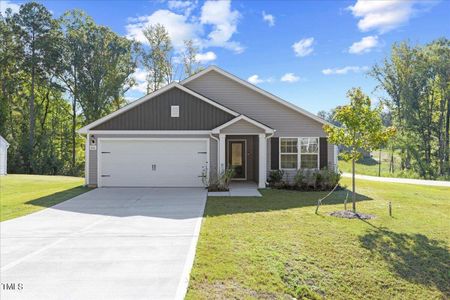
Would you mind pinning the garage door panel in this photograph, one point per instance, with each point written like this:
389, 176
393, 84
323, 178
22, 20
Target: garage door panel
152, 162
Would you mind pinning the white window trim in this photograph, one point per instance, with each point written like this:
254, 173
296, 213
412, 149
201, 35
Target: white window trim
299, 152
284, 153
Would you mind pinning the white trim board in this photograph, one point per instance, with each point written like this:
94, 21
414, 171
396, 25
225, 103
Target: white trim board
256, 89
245, 118
86, 128
156, 132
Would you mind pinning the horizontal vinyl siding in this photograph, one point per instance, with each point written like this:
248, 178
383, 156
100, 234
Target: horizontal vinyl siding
242, 126
93, 163
286, 121
154, 114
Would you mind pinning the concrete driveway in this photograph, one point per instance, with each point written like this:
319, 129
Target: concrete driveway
111, 243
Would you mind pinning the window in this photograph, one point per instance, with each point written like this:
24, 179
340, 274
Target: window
299, 153
309, 153
174, 111
288, 153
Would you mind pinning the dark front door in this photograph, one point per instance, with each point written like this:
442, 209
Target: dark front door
236, 158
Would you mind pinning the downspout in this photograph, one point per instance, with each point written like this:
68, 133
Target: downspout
218, 149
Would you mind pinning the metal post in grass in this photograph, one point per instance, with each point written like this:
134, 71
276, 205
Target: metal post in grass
379, 164
345, 202
390, 209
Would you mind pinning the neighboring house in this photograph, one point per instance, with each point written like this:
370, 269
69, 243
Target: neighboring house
206, 123
3, 156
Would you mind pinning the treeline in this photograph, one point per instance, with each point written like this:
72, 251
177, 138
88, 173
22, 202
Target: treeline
58, 74
415, 84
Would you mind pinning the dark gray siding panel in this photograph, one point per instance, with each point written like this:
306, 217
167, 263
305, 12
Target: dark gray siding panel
323, 153
274, 153
154, 114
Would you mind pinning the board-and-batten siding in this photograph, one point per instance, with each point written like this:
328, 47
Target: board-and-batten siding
286, 121
154, 114
93, 162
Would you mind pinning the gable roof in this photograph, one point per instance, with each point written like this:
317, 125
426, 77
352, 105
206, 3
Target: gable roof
267, 129
141, 100
5, 142
256, 89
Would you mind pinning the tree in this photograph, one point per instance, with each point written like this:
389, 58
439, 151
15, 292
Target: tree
107, 63
416, 80
190, 62
74, 25
158, 58
35, 30
362, 130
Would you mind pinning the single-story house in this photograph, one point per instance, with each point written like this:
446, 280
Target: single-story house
206, 123
3, 156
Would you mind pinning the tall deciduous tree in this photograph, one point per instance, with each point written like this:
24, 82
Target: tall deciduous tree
191, 65
35, 30
417, 82
361, 130
74, 25
107, 62
157, 59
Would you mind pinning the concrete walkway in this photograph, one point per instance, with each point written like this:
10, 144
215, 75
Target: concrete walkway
239, 189
400, 180
111, 243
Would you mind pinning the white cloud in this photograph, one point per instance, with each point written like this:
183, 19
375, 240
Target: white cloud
185, 6
140, 75
178, 26
214, 27
5, 4
290, 77
270, 19
206, 57
345, 70
254, 79
385, 15
364, 45
304, 47
224, 21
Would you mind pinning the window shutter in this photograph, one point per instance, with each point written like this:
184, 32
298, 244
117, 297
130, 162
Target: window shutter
274, 153
323, 152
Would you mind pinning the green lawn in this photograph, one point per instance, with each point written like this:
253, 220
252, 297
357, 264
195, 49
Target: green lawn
275, 247
23, 194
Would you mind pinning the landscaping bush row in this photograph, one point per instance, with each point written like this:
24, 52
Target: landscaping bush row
305, 180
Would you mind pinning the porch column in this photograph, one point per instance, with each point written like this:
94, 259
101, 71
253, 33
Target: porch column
221, 166
262, 161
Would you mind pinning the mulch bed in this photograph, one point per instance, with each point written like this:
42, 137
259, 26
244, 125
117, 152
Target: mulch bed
348, 214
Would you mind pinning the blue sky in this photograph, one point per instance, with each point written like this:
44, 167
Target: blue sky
307, 52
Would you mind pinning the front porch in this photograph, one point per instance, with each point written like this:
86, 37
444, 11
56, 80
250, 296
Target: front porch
239, 189
242, 145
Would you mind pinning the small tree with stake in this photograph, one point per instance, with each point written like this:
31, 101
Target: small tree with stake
361, 130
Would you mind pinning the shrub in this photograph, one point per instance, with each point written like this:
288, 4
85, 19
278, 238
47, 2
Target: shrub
218, 182
275, 176
316, 180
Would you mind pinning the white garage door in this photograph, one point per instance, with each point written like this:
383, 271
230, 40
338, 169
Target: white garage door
151, 163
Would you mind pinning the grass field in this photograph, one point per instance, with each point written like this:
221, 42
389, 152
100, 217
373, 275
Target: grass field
23, 194
370, 166
275, 247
